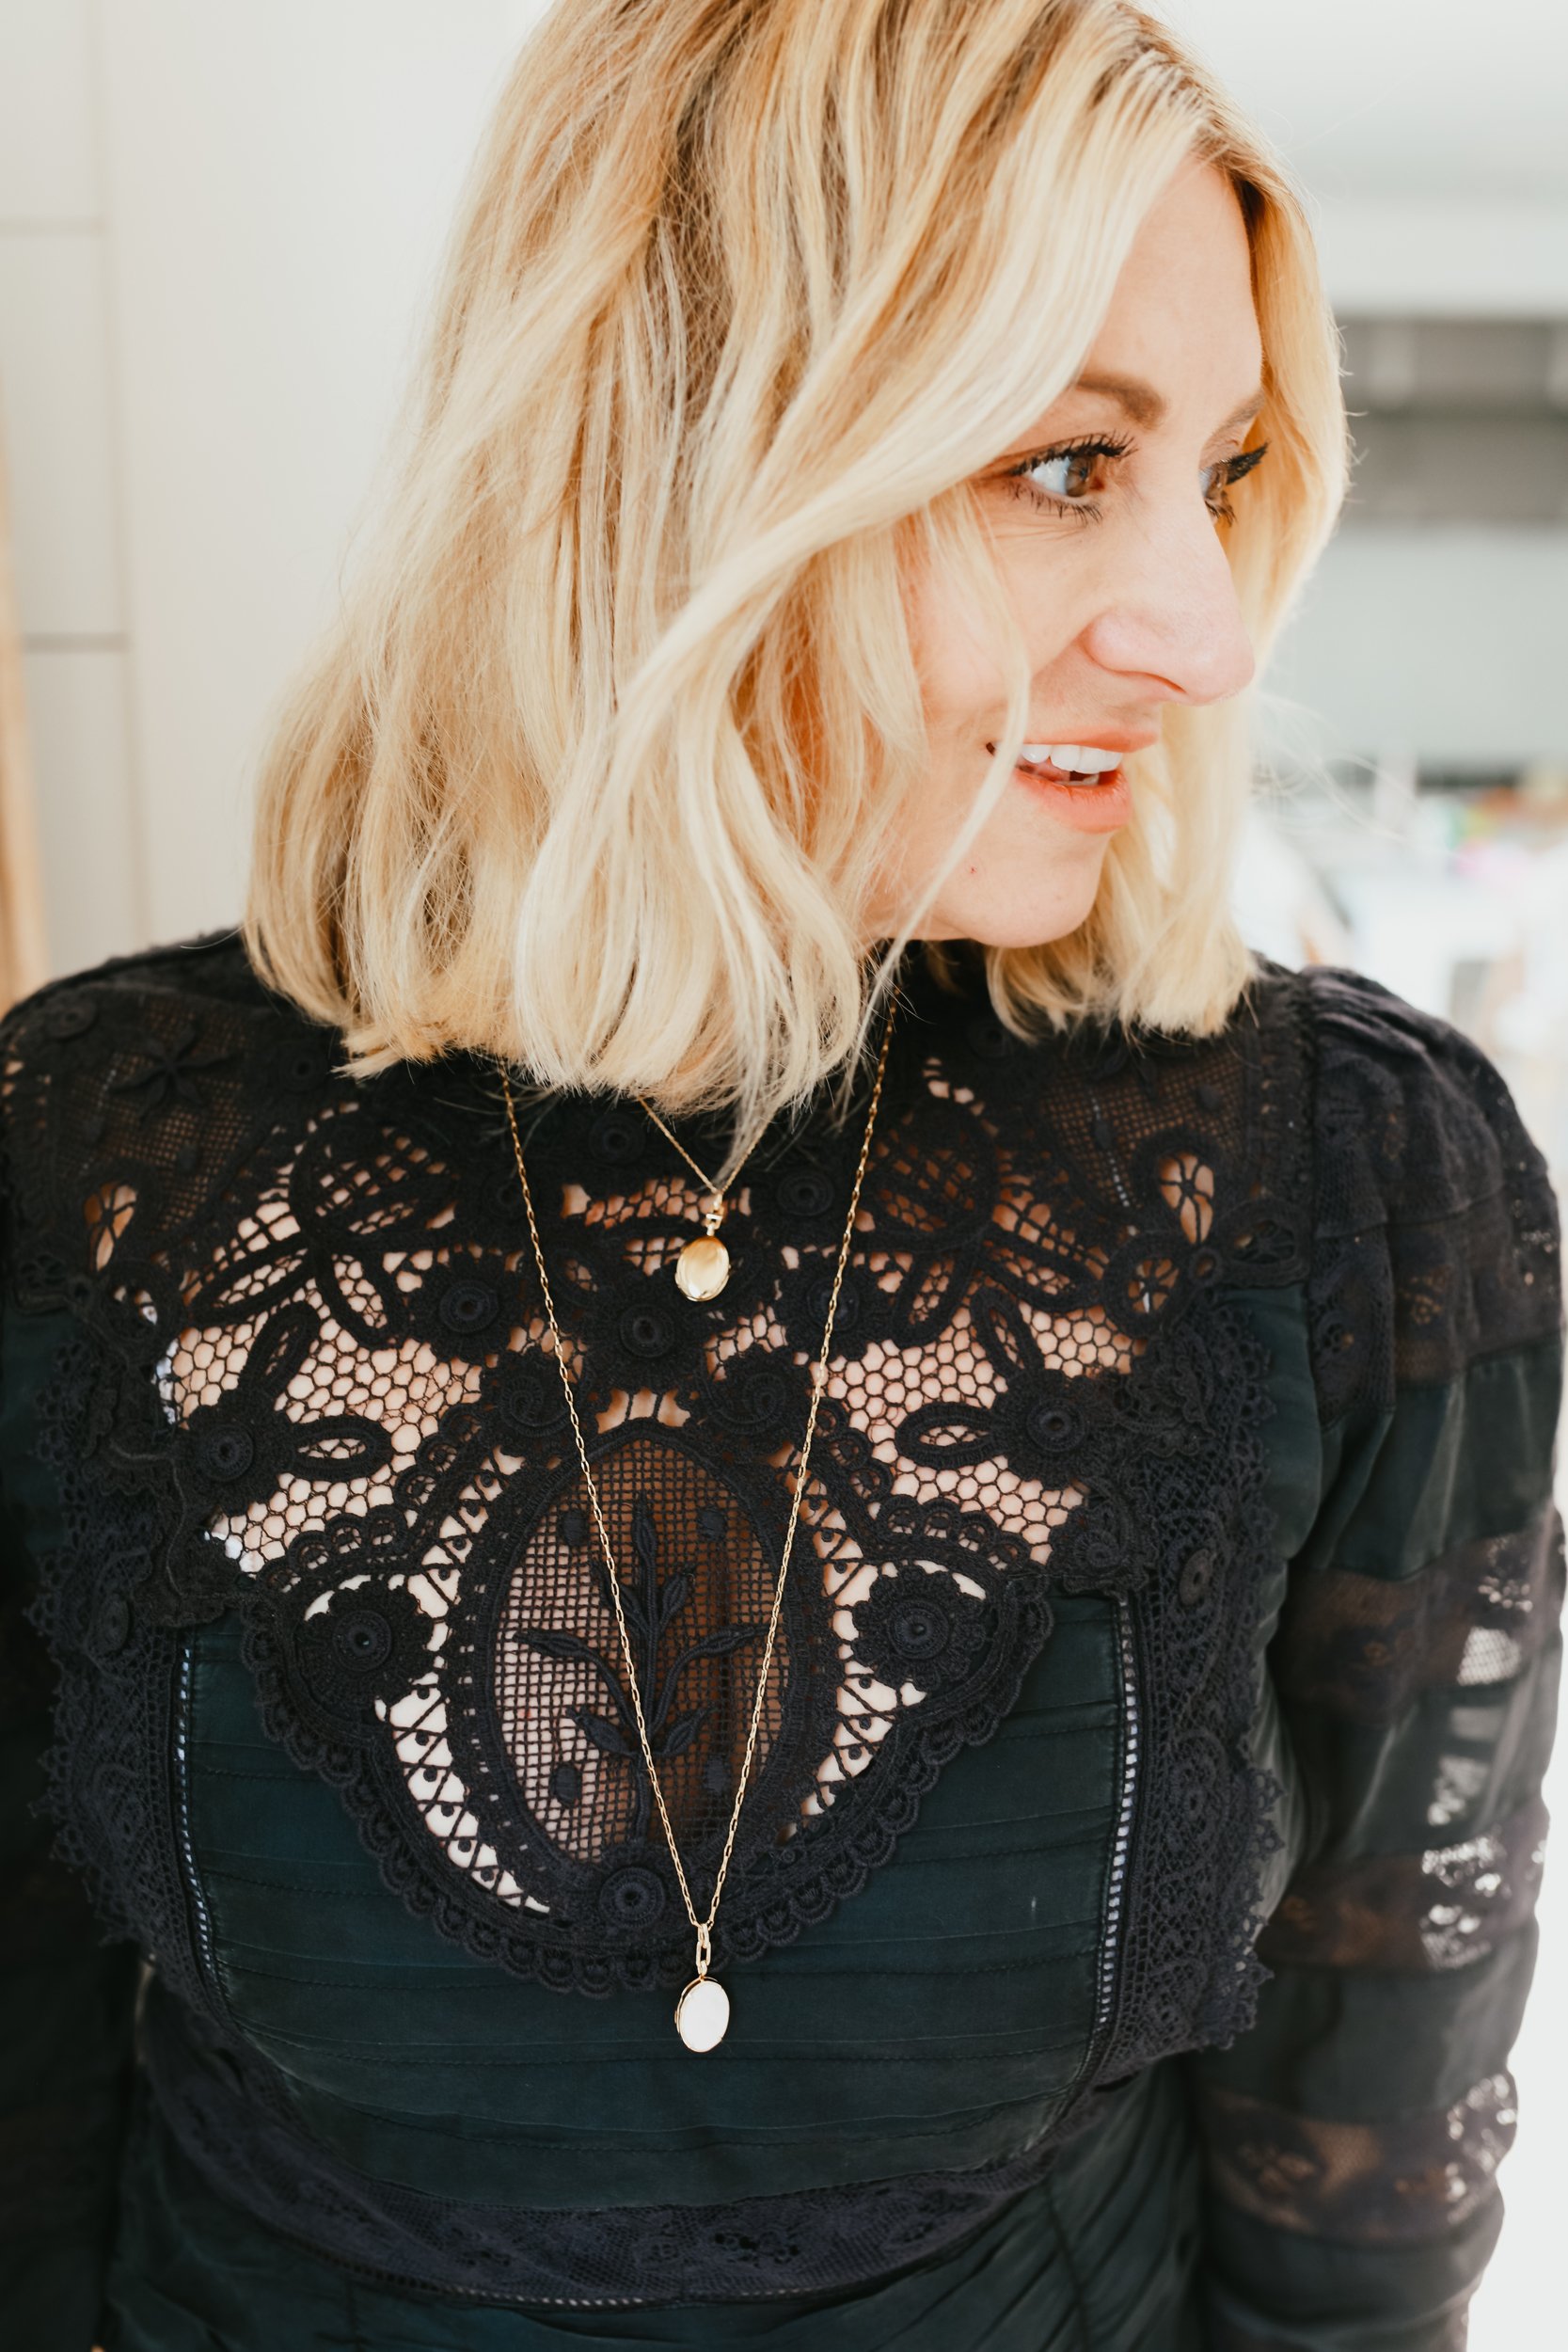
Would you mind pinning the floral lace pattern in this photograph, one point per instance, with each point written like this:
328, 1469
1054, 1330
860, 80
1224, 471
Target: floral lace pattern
317, 1376
1424, 1256
1367, 1646
1447, 1907
1397, 2182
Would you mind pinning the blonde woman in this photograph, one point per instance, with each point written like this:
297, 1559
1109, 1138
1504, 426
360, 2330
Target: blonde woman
788, 1566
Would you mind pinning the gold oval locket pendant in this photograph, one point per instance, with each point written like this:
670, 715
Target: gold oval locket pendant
703, 2015
702, 1267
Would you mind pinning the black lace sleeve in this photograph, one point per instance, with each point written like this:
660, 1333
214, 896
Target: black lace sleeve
1352, 2137
66, 1996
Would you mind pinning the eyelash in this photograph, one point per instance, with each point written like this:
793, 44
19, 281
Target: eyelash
1231, 470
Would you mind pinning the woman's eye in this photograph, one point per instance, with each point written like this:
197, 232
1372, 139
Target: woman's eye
1059, 478
1066, 475
1228, 471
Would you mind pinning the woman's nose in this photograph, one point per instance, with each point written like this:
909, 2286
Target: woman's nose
1175, 620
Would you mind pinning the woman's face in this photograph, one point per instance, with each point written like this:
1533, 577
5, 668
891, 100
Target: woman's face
1110, 555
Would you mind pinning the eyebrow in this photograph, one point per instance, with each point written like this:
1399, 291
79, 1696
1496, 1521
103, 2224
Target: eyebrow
1146, 406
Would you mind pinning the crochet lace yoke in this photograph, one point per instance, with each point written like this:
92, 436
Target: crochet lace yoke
313, 1382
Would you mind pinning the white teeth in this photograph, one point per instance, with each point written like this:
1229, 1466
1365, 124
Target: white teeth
1082, 757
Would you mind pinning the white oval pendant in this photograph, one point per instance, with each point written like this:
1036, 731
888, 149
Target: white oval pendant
702, 1267
703, 2013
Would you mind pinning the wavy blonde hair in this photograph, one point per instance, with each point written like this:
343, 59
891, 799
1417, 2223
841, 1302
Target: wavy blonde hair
602, 763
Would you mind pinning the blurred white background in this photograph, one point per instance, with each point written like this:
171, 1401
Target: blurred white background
219, 224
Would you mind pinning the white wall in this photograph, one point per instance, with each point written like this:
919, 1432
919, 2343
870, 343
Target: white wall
219, 227
58, 409
279, 182
1449, 644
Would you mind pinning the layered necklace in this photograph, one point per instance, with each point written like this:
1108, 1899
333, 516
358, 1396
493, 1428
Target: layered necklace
702, 2012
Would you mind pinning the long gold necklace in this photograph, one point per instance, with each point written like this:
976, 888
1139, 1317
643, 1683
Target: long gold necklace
702, 2012
702, 1267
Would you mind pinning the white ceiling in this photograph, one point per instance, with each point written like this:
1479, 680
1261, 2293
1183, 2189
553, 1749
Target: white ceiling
1400, 98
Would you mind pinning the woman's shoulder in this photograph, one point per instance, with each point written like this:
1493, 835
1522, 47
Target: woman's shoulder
209, 972
1414, 1121
1412, 1107
1437, 1232
138, 1062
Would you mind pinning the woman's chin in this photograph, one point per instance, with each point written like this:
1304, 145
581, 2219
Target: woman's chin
999, 911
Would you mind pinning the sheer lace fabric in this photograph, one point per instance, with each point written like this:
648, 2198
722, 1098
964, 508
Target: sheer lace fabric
1416, 1663
1367, 1646
343, 1398
1398, 2180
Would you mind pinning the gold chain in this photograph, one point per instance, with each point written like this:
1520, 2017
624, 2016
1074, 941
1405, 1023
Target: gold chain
713, 1214
702, 1928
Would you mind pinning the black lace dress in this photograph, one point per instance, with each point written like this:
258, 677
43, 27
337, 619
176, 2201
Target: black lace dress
1133, 1905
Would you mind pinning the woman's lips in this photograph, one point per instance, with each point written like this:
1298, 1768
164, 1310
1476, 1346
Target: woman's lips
1100, 806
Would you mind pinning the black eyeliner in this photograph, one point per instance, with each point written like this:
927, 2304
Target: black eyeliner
1092, 445
1236, 467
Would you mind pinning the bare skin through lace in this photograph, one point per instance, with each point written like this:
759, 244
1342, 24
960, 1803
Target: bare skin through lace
573, 1774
